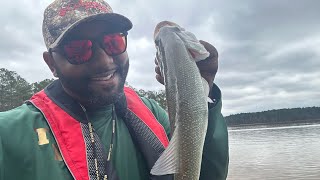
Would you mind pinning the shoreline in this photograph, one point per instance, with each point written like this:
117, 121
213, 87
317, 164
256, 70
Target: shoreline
288, 123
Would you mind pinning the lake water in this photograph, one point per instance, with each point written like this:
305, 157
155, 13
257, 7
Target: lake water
272, 153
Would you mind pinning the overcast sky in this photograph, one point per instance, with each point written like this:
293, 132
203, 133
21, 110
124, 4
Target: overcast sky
269, 51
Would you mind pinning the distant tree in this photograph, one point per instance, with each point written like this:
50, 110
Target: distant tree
14, 90
272, 117
162, 99
38, 86
158, 96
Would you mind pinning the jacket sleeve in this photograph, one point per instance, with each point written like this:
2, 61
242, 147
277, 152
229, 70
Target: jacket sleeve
215, 157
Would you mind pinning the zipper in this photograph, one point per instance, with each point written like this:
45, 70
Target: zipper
87, 118
85, 112
105, 177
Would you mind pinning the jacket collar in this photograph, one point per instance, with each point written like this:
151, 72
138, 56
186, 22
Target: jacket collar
57, 94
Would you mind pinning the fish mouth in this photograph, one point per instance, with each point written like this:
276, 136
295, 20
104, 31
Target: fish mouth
162, 24
105, 76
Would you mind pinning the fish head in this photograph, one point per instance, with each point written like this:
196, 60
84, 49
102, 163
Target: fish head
165, 31
163, 24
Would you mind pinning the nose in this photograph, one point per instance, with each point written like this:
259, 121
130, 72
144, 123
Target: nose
100, 57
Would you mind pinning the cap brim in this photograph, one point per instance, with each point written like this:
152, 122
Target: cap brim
117, 22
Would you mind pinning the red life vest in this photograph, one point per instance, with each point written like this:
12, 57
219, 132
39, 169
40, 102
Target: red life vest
68, 131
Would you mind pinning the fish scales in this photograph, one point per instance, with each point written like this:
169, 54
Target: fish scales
187, 107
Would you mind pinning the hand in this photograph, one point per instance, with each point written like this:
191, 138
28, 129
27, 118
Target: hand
208, 67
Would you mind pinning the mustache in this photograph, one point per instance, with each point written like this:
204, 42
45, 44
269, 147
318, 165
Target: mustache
101, 70
105, 69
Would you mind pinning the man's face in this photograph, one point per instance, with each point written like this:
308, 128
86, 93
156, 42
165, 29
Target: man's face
99, 81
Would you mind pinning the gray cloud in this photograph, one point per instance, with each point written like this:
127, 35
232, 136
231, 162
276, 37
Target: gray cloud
269, 51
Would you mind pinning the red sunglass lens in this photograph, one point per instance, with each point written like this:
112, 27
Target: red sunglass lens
78, 51
114, 44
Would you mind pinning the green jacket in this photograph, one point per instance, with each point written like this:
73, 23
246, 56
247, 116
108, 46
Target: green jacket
28, 149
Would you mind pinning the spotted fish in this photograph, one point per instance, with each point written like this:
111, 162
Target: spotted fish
186, 93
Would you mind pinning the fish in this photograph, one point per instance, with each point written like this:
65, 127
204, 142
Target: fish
186, 95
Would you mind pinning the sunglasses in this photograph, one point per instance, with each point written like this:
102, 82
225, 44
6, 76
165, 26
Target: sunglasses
80, 51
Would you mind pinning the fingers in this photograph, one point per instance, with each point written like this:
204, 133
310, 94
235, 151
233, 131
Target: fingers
156, 61
159, 78
210, 64
157, 70
210, 48
209, 67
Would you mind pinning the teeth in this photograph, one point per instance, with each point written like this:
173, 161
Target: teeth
104, 78
109, 76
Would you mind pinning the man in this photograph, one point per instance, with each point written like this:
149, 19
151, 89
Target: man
87, 125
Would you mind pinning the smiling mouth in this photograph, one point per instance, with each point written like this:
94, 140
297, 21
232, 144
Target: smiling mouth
104, 76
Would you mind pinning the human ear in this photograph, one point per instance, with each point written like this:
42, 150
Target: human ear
47, 57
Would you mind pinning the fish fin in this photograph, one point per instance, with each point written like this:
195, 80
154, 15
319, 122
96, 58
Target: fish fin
195, 48
193, 53
168, 162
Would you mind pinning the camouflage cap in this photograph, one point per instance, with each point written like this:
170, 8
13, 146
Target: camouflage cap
63, 15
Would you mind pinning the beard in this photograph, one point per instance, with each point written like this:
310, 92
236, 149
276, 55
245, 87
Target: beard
79, 88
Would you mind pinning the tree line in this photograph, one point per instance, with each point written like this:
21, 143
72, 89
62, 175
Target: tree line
14, 90
279, 116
